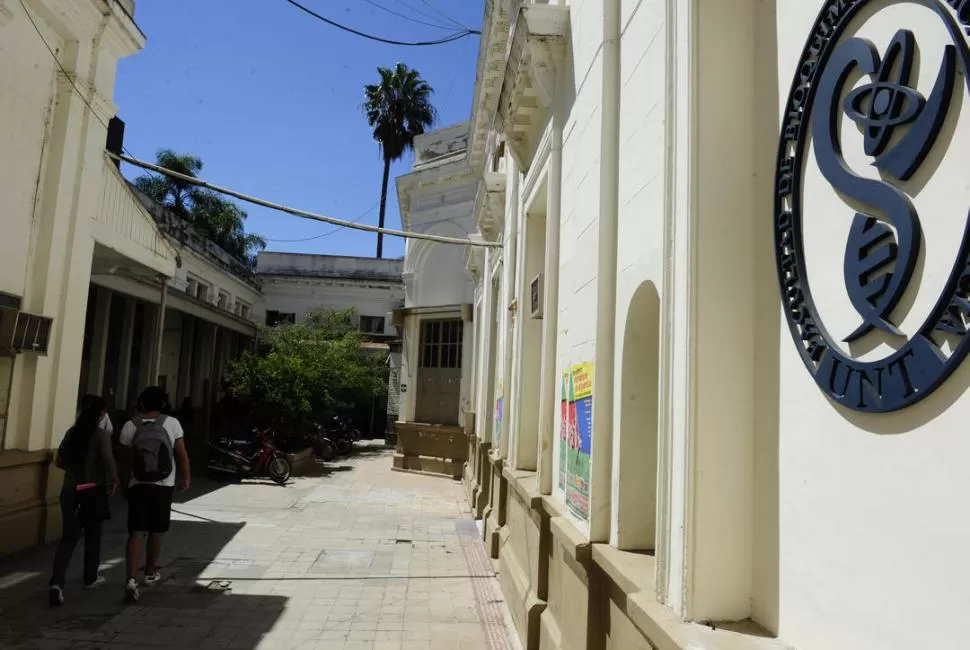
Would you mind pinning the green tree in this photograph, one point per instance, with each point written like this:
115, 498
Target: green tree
306, 369
216, 218
398, 108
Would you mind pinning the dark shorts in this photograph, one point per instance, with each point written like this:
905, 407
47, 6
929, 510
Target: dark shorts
149, 508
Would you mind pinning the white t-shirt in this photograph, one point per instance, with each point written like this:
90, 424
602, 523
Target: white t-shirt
174, 429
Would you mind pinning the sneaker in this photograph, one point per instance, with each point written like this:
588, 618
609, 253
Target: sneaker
56, 596
131, 591
152, 579
100, 580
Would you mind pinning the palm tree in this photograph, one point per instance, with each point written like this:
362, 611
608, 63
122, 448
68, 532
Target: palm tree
170, 192
398, 108
219, 220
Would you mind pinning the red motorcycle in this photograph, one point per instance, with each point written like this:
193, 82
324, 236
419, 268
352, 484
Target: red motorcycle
257, 457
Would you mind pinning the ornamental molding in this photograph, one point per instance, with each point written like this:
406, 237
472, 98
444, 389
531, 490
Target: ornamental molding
536, 50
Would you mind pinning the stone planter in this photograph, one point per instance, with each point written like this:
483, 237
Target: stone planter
301, 461
435, 449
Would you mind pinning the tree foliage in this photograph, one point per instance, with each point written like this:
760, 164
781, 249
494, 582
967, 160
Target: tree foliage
306, 369
216, 218
398, 108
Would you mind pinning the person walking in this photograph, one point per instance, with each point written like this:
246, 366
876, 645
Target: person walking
157, 443
91, 476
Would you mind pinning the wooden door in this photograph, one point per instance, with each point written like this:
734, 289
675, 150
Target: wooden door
439, 372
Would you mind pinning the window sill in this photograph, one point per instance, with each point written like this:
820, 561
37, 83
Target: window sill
16, 458
634, 576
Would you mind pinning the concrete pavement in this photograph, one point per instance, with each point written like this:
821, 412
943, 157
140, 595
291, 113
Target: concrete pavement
357, 558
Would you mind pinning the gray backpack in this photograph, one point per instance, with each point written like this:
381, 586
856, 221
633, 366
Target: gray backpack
151, 451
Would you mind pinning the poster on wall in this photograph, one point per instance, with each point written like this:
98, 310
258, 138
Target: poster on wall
563, 427
579, 439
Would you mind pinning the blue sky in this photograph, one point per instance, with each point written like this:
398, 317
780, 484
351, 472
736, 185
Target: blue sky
270, 99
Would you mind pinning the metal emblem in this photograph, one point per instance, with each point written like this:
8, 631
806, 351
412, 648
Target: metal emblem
900, 127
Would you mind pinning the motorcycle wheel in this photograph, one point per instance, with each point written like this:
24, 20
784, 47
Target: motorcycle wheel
279, 470
326, 450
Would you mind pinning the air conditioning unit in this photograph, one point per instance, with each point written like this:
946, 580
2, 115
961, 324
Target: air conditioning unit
535, 301
397, 317
22, 332
468, 312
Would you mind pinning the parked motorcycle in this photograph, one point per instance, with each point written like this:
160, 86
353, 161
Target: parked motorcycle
249, 458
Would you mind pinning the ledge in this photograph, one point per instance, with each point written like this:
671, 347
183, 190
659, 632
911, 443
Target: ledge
16, 458
571, 539
634, 575
525, 483
631, 572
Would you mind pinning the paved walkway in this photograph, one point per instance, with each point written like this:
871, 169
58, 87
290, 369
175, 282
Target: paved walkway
359, 558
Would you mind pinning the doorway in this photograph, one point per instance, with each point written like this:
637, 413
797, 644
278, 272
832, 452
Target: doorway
439, 371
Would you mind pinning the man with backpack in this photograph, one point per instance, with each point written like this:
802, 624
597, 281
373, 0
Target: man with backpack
156, 442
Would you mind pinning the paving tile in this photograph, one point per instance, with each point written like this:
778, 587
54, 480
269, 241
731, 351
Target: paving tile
363, 559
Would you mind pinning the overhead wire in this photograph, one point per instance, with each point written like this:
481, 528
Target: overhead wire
416, 10
406, 17
341, 223
332, 231
458, 35
191, 180
433, 8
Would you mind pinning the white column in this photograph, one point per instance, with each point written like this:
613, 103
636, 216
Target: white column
601, 462
45, 389
467, 368
187, 349
124, 357
149, 340
99, 340
548, 381
507, 292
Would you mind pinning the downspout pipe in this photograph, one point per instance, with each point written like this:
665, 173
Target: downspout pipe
550, 307
606, 275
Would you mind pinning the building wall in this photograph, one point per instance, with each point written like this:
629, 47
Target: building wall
298, 284
302, 295
758, 497
239, 291
51, 166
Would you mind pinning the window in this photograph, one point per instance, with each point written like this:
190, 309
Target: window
202, 292
441, 343
372, 324
274, 318
224, 300
244, 310
191, 286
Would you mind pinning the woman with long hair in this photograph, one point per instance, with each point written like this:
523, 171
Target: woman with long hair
91, 476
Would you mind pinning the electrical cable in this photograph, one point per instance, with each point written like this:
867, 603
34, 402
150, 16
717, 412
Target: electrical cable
416, 10
441, 41
191, 180
406, 17
332, 231
442, 14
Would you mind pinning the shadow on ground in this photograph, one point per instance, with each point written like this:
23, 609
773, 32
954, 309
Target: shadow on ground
181, 612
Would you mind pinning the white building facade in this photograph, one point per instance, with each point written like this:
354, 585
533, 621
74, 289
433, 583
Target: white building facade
96, 292
672, 426
437, 198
